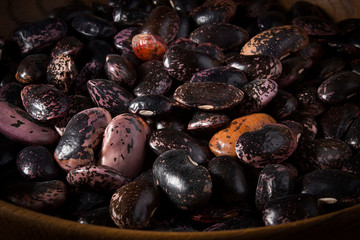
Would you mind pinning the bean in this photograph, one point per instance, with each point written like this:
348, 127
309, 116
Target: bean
181, 115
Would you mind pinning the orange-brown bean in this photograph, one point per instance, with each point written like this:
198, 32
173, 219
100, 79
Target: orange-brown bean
223, 142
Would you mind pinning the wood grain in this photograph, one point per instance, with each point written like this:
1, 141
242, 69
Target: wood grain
337, 9
18, 224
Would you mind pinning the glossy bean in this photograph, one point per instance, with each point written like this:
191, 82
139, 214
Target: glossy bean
187, 184
109, 95
277, 41
168, 139
18, 125
82, 136
272, 143
123, 146
44, 102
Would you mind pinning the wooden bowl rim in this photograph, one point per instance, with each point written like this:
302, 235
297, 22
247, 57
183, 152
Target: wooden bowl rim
12, 212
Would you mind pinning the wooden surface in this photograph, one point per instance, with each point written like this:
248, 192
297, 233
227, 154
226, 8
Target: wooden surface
17, 223
338, 9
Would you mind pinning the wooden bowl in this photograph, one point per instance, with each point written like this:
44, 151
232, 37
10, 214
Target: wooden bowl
20, 223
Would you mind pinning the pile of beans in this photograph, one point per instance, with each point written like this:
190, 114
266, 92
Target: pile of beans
181, 115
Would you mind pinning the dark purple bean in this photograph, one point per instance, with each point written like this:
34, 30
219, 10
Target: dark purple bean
172, 121
200, 95
183, 43
229, 182
122, 39
293, 68
124, 142
296, 128
339, 87
256, 66
181, 63
282, 105
82, 136
120, 70
19, 126
275, 181
226, 36
37, 163
163, 22
308, 100
212, 50
289, 209
62, 72
93, 26
153, 79
272, 143
35, 36
132, 205
337, 187
277, 42
257, 94
32, 68
308, 121
91, 70
37, 196
352, 136
168, 139
129, 16
150, 106
77, 104
96, 177
316, 26
223, 74
109, 95
68, 45
187, 184
219, 11
45, 102
207, 121
322, 154
336, 120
